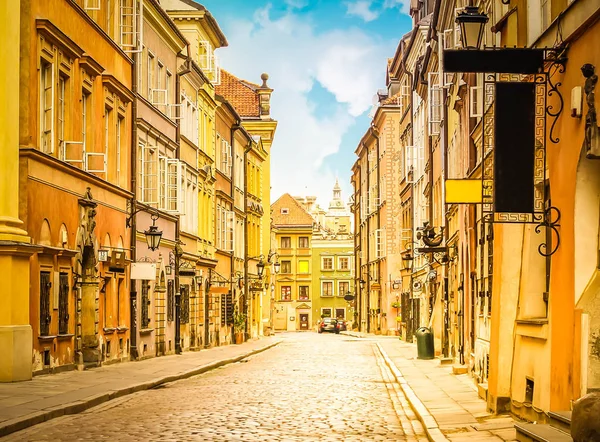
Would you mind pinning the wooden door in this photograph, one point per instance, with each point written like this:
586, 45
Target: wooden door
303, 321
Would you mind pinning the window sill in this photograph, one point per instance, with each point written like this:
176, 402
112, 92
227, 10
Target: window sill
285, 300
122, 329
65, 336
146, 331
46, 337
109, 330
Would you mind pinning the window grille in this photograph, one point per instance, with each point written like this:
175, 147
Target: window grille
45, 317
185, 303
170, 300
91, 5
63, 304
145, 303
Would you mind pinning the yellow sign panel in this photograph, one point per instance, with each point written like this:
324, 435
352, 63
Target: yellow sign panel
463, 191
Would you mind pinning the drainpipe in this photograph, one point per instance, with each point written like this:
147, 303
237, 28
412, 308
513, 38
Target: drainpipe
246, 291
374, 131
234, 129
181, 73
368, 249
133, 350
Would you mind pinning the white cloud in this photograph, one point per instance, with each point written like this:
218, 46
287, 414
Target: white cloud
348, 63
362, 9
403, 5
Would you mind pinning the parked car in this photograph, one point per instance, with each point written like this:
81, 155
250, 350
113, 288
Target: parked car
328, 325
341, 324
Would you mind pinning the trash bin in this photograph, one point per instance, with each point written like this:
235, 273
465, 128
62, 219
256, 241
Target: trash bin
424, 343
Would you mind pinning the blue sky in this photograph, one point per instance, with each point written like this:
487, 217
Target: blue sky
326, 59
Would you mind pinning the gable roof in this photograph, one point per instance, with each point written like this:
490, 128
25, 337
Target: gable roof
297, 215
240, 93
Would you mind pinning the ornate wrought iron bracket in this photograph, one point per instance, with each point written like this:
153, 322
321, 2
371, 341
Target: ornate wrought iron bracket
556, 60
551, 221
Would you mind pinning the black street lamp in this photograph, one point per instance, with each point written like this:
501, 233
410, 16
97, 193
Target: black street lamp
472, 23
260, 268
153, 235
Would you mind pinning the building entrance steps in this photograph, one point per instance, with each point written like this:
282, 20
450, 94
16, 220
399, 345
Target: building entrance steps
45, 397
447, 404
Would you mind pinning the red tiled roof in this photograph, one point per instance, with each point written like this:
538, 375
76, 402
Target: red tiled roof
240, 93
296, 215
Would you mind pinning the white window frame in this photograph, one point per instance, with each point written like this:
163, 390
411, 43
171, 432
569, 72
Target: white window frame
379, 237
331, 312
476, 101
323, 258
92, 5
134, 11
340, 258
435, 101
332, 288
340, 291
118, 126
60, 129
46, 109
148, 194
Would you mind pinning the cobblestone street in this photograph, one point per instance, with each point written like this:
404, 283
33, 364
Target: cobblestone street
310, 387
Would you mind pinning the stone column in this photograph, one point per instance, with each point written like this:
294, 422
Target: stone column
15, 248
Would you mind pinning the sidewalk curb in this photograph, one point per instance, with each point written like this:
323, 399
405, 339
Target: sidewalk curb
29, 420
434, 434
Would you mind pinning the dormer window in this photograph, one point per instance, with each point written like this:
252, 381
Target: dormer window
285, 211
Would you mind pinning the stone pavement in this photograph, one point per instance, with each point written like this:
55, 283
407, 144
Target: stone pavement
46, 397
448, 405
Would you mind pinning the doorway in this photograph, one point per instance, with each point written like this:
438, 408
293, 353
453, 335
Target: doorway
303, 321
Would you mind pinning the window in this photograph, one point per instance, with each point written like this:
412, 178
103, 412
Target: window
107, 113
303, 293
63, 304
161, 179
340, 313
189, 117
285, 211
343, 263
303, 267
145, 303
61, 110
303, 242
119, 129
130, 24
170, 300
343, 288
327, 263
286, 293
150, 72
286, 242
225, 228
47, 107
45, 317
189, 221
225, 163
326, 312
327, 288
286, 267
185, 303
